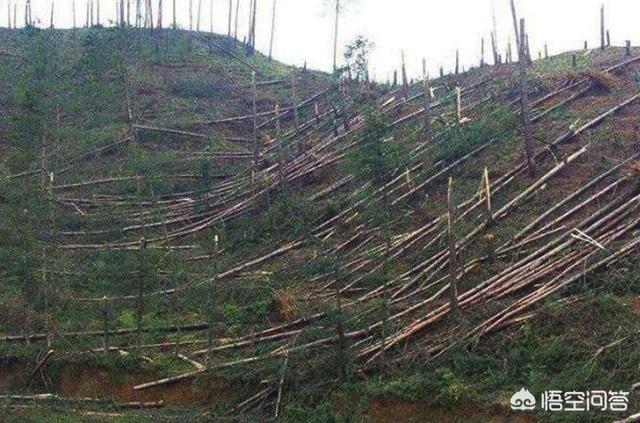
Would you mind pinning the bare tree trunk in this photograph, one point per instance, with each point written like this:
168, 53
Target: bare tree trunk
524, 100
256, 145
335, 37
138, 13
159, 25
273, 29
150, 13
140, 298
253, 25
279, 142
602, 29
211, 17
427, 97
494, 36
230, 18
514, 15
453, 278
296, 115
199, 15
482, 52
190, 15
175, 17
403, 69
53, 6
457, 62
122, 12
97, 12
235, 31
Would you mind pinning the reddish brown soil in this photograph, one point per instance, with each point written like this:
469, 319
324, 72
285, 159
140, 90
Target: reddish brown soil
83, 381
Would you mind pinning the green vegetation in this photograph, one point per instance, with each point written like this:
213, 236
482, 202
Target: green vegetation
105, 227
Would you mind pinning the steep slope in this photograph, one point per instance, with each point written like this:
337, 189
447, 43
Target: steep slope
138, 224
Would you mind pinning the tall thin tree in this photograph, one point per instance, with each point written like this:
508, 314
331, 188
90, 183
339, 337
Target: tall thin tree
603, 43
524, 101
336, 27
235, 30
230, 18
159, 25
514, 16
211, 16
175, 18
273, 28
199, 15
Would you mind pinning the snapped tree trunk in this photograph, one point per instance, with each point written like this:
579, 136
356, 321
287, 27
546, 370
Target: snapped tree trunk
524, 101
453, 278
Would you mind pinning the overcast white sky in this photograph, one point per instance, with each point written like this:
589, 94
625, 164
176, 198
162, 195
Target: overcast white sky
423, 28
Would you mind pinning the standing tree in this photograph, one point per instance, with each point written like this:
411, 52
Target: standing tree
514, 16
356, 54
335, 36
199, 14
230, 17
273, 29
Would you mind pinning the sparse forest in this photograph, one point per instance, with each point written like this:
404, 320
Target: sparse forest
192, 230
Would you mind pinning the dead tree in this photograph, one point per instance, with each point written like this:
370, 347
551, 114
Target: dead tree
602, 29
514, 16
335, 37
122, 14
453, 277
235, 30
296, 115
482, 52
427, 97
405, 79
524, 101
494, 37
230, 18
199, 15
457, 62
273, 28
140, 297
256, 145
251, 45
53, 6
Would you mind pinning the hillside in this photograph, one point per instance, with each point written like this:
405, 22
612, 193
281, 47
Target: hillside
169, 270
